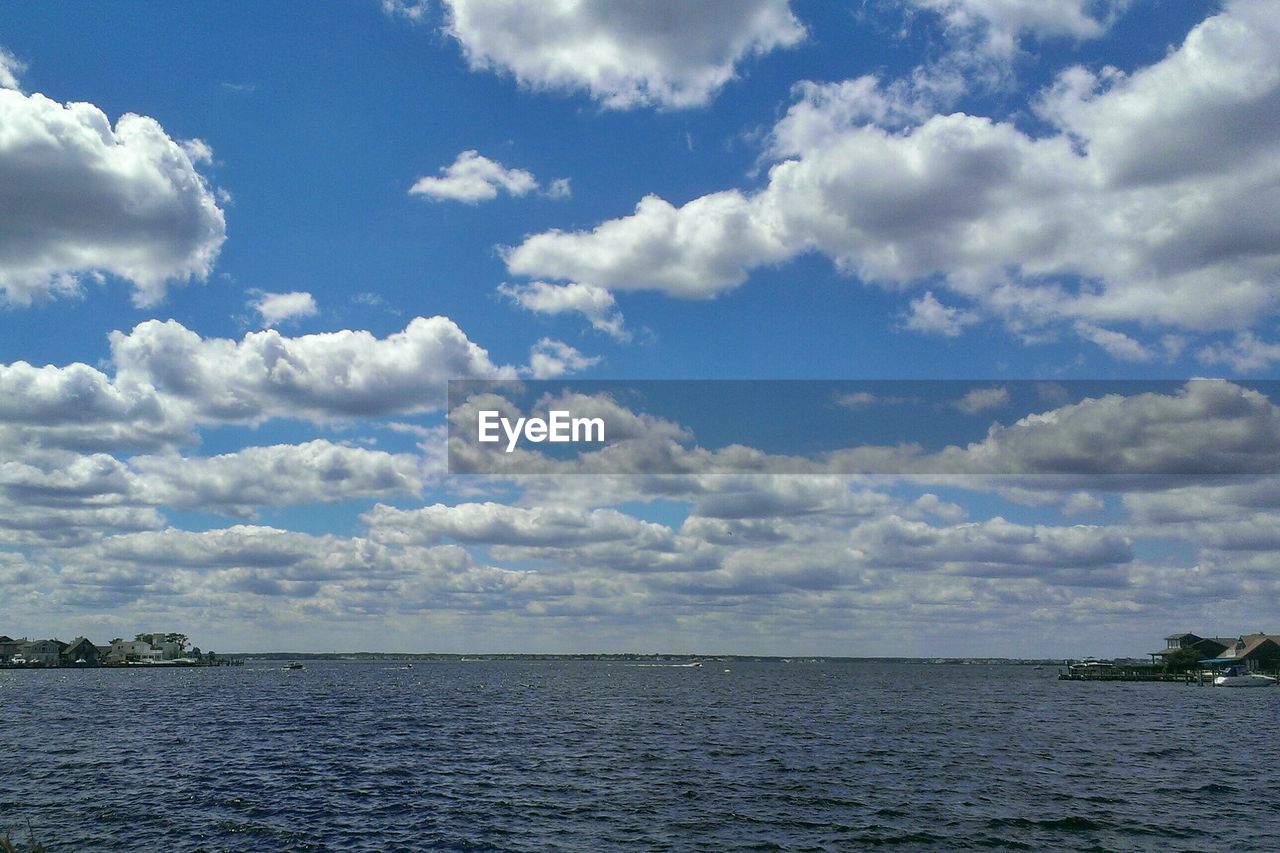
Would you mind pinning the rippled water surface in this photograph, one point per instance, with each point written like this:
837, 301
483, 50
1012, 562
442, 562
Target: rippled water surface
588, 756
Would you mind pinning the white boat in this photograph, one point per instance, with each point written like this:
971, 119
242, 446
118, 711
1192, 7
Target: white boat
1235, 677
1091, 666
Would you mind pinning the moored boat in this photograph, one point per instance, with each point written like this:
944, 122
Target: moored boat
1237, 677
1091, 666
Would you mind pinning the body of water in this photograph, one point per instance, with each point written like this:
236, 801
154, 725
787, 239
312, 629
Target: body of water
588, 756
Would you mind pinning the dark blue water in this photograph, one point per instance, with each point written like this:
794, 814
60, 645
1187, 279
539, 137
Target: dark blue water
589, 756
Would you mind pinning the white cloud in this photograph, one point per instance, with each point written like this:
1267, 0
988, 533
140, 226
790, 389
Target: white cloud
411, 10
168, 381
1082, 503
930, 316
1117, 344
500, 524
985, 545
1156, 189
279, 475
278, 307
1144, 441
982, 399
549, 359
694, 251
85, 198
473, 178
1246, 354
594, 303
50, 487
10, 69
858, 400
1208, 427
61, 527
998, 24
624, 55
80, 407
560, 188
321, 376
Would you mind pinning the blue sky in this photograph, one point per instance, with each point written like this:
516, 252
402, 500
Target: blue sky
250, 298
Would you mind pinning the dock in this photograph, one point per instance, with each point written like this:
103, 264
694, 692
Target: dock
1176, 678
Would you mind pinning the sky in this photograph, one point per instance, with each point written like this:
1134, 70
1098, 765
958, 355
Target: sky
243, 251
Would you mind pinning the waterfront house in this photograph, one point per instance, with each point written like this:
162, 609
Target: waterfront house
45, 652
1255, 651
81, 652
1206, 647
9, 648
125, 651
150, 648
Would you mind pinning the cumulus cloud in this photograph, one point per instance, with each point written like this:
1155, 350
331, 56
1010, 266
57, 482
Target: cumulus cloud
786, 552
1116, 442
1153, 189
594, 303
237, 482
275, 308
278, 475
1206, 428
64, 527
237, 567
500, 524
930, 316
80, 407
84, 198
473, 178
694, 251
321, 376
624, 55
983, 547
168, 381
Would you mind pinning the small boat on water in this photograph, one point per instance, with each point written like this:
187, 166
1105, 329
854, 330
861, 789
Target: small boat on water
293, 664
1237, 677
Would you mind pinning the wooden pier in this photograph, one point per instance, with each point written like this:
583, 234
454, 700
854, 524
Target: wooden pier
1174, 678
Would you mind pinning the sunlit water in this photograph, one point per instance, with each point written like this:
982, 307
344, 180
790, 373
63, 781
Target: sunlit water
588, 756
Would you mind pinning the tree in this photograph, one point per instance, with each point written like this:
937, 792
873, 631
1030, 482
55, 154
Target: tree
1183, 660
181, 639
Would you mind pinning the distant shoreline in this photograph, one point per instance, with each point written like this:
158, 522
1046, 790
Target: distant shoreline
629, 657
